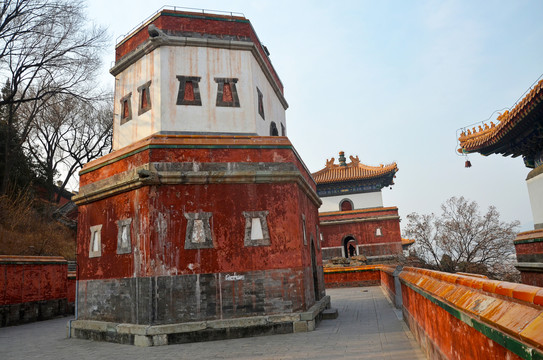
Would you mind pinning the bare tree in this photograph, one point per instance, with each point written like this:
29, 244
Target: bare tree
66, 133
46, 48
463, 239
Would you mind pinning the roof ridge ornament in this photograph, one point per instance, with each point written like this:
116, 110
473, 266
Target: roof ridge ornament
330, 163
354, 160
341, 159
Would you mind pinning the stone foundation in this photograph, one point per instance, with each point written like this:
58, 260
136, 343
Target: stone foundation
155, 335
15, 314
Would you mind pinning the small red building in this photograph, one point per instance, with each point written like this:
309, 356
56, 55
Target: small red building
352, 211
518, 133
202, 224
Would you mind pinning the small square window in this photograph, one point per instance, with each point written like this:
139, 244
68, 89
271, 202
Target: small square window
378, 232
144, 97
124, 244
189, 90
126, 108
95, 245
256, 228
198, 234
227, 94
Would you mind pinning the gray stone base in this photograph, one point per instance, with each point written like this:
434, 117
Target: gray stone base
15, 314
155, 335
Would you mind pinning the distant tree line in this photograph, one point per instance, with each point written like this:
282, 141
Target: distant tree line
53, 115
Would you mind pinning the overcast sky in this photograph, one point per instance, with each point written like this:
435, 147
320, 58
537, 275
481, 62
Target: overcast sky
391, 81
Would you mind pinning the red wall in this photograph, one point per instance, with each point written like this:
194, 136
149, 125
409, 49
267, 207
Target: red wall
364, 232
352, 276
32, 278
159, 226
162, 252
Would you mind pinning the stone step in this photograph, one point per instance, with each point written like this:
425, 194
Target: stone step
329, 314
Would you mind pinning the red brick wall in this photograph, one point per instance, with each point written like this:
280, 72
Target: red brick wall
159, 226
531, 278
364, 232
32, 278
352, 276
164, 253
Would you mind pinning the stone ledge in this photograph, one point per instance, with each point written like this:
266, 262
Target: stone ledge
316, 309
330, 314
156, 335
530, 266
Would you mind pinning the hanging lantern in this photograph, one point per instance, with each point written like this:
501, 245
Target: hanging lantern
467, 164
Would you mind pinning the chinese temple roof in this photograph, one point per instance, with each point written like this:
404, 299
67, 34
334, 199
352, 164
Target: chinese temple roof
517, 132
353, 171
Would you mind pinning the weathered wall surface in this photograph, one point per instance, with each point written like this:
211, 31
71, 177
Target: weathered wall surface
529, 249
352, 277
462, 317
535, 190
164, 276
206, 52
362, 225
187, 298
32, 288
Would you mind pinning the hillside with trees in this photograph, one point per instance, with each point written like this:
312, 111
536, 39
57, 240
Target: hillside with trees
54, 118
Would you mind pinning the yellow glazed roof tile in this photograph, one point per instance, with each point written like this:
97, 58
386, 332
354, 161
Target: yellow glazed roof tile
486, 135
354, 170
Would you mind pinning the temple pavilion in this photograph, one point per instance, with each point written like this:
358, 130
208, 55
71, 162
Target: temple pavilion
519, 132
352, 210
203, 222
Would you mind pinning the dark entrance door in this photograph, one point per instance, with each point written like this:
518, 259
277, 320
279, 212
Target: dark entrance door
346, 245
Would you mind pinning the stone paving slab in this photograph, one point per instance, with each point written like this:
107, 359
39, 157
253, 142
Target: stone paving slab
368, 327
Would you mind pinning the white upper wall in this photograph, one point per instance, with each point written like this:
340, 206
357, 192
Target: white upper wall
360, 201
164, 64
535, 191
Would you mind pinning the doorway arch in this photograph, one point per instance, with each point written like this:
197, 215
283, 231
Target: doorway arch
346, 240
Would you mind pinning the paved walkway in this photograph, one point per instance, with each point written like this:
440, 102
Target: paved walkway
367, 328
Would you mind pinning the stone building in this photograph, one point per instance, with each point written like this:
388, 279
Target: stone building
352, 210
518, 132
202, 223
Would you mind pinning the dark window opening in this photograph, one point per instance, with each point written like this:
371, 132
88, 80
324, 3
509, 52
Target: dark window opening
273, 129
145, 98
227, 94
283, 132
346, 205
260, 103
126, 109
189, 90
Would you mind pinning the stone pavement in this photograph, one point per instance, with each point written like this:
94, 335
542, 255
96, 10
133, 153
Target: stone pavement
367, 328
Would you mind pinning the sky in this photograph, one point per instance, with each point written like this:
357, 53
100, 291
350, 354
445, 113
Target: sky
391, 81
